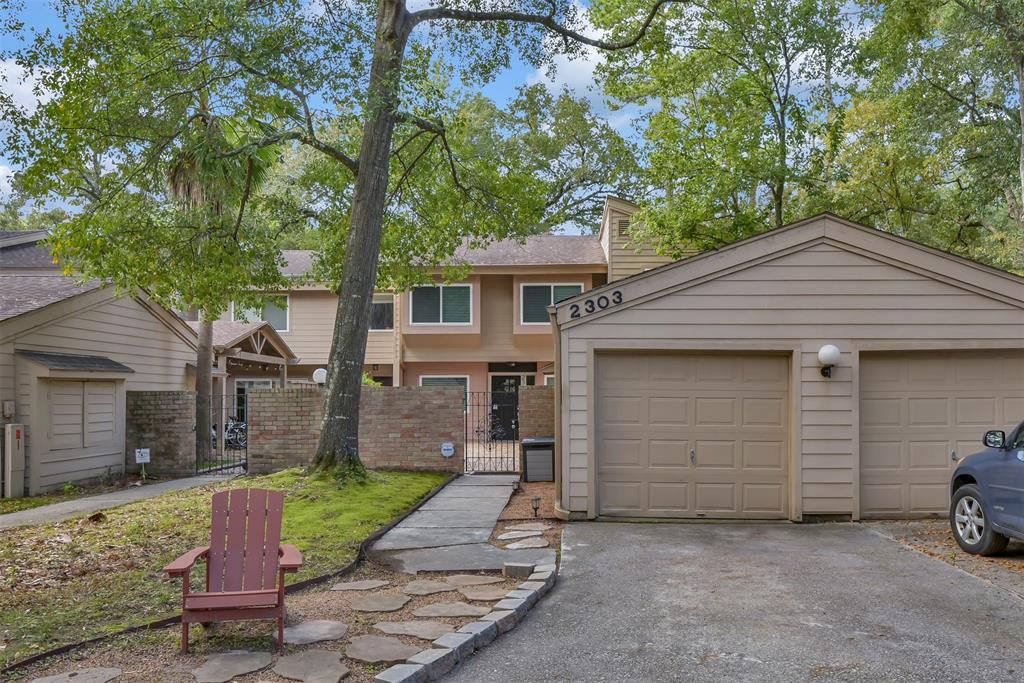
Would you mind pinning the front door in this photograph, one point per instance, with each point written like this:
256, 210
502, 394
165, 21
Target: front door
504, 424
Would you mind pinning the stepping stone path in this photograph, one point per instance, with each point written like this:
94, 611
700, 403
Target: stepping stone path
314, 632
223, 667
422, 587
513, 535
529, 526
364, 585
528, 543
462, 580
484, 592
312, 666
380, 602
98, 675
451, 609
428, 630
379, 650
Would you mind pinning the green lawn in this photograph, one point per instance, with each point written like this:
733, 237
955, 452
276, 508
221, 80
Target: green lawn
69, 492
66, 582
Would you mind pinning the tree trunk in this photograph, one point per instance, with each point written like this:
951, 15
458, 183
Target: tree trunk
339, 435
204, 389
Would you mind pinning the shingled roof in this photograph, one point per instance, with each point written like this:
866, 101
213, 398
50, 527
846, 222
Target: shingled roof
20, 294
227, 332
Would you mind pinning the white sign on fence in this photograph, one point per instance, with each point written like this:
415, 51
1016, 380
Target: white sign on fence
447, 449
141, 456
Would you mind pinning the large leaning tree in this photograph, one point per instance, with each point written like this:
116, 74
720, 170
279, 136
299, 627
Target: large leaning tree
368, 86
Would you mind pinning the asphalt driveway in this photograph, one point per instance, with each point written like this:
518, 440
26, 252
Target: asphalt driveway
756, 602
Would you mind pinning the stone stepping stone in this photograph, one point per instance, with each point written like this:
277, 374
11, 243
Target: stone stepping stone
223, 667
315, 631
423, 587
528, 543
451, 609
529, 526
364, 585
484, 592
312, 666
515, 535
380, 602
379, 650
94, 675
463, 580
428, 630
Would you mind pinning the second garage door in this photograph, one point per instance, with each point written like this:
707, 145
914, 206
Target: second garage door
689, 435
916, 410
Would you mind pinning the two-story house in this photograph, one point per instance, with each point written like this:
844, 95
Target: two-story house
488, 332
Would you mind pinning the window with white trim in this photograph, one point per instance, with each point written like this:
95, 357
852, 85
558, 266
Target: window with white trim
382, 313
447, 381
441, 305
549, 380
535, 299
274, 311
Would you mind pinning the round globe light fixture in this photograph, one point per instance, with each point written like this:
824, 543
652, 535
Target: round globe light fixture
828, 357
320, 376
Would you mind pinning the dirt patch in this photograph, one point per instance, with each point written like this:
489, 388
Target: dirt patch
933, 537
520, 505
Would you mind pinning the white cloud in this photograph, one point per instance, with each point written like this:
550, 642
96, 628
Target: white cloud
17, 83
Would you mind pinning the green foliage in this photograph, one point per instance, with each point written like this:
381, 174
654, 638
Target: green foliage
370, 381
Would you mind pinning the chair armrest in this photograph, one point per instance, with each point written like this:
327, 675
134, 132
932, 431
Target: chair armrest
291, 558
183, 564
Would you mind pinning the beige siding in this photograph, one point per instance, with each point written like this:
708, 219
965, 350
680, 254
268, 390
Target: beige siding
123, 330
311, 328
822, 293
625, 256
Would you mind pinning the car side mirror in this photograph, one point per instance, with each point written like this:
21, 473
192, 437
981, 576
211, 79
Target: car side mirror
995, 439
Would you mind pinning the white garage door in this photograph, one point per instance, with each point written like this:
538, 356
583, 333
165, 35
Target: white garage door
689, 435
83, 438
916, 409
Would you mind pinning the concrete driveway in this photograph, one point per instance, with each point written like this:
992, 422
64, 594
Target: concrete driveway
756, 602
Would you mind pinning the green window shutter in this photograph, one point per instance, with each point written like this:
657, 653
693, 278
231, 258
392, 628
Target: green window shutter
563, 292
536, 299
448, 382
426, 305
457, 306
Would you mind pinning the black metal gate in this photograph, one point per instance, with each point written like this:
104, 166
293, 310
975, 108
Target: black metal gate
492, 431
228, 436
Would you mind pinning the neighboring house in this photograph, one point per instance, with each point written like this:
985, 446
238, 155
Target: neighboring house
489, 332
69, 352
696, 389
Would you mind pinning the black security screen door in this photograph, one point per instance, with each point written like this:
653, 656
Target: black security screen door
505, 407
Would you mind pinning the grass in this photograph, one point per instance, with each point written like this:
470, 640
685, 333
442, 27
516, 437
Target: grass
69, 492
69, 581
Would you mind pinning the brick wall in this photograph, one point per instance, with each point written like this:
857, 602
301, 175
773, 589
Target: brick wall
399, 427
536, 411
163, 422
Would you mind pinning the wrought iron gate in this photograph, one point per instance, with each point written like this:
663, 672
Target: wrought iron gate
492, 431
228, 445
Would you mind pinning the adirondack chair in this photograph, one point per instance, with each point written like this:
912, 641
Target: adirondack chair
245, 563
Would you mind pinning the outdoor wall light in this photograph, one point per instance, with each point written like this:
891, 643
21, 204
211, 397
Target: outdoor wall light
828, 357
320, 376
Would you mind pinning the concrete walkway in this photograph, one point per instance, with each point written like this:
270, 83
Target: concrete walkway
80, 507
451, 530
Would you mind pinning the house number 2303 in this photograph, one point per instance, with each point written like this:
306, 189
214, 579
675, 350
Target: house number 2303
597, 303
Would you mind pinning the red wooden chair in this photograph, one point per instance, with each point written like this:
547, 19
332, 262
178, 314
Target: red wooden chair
245, 563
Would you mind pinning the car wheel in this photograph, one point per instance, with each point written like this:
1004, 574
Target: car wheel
970, 523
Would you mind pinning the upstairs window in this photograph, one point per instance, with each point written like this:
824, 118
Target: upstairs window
535, 299
442, 305
274, 311
382, 314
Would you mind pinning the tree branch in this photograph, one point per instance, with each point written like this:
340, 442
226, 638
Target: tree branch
545, 20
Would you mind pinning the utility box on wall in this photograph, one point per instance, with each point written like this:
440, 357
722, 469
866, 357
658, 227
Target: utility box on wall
14, 461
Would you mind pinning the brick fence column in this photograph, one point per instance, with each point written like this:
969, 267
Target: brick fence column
536, 411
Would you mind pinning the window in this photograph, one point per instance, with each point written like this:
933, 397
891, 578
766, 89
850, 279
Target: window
274, 311
442, 305
535, 299
549, 380
447, 381
382, 315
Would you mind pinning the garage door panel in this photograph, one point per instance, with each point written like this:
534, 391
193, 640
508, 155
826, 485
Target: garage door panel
949, 400
624, 410
732, 410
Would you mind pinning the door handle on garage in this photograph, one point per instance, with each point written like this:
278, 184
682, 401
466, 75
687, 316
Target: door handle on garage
953, 456
693, 456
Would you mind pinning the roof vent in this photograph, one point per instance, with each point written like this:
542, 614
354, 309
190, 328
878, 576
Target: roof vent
623, 227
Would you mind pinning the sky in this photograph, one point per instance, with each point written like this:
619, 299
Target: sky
576, 75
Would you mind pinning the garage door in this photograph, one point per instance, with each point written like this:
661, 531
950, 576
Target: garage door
685, 435
83, 439
916, 409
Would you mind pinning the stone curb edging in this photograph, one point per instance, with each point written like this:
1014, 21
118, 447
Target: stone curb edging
448, 651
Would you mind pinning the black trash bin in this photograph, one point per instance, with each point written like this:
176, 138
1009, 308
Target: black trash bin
538, 459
